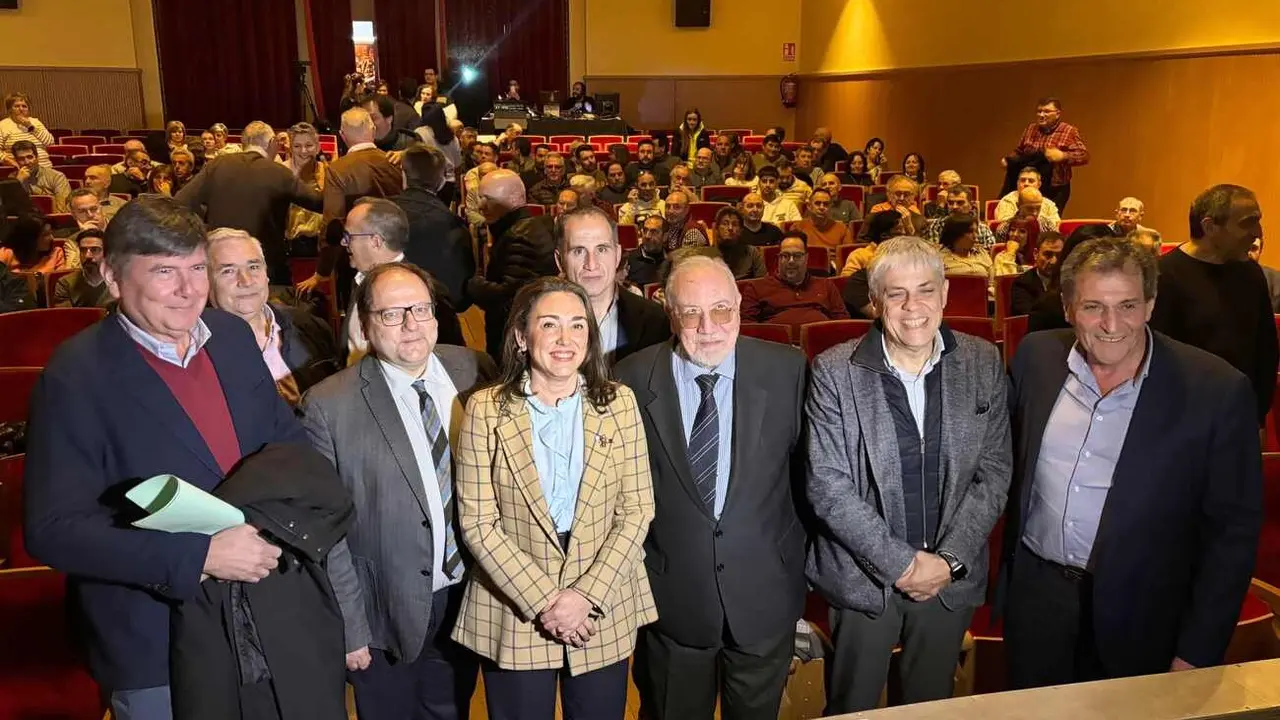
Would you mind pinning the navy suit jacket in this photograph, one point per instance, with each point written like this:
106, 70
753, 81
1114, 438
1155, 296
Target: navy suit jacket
1179, 529
102, 420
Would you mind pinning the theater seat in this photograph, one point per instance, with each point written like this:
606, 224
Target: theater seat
16, 384
820, 336
724, 193
1004, 295
109, 149
536, 209
977, 326
97, 159
854, 193
628, 237
966, 296
1013, 330
86, 140
1066, 227
43, 203
773, 332
989, 209
13, 551
705, 211
41, 332
606, 140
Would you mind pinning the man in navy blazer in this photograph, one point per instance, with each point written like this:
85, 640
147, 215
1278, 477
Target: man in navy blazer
162, 386
1137, 497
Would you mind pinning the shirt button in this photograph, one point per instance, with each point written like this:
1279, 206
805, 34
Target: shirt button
424, 573
720, 567
1076, 489
1098, 418
1087, 454
1071, 523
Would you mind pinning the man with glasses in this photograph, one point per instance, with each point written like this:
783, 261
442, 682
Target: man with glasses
384, 421
725, 552
792, 296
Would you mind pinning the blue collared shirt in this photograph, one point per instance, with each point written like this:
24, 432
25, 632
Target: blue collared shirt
1078, 456
686, 374
168, 351
914, 383
558, 449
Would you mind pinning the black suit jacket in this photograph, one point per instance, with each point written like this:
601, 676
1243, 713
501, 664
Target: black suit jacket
642, 323
250, 192
1027, 290
1175, 546
747, 568
307, 346
523, 249
439, 242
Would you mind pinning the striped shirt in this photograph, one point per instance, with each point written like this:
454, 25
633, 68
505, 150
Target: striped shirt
11, 132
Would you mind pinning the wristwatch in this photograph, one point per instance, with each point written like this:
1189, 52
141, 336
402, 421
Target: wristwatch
958, 569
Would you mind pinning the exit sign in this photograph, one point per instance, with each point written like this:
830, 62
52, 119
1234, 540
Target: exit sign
788, 52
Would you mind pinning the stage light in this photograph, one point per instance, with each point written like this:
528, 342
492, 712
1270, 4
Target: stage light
469, 74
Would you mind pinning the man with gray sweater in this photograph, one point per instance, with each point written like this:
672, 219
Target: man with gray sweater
909, 466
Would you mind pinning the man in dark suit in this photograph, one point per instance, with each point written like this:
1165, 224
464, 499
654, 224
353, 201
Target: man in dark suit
250, 191
523, 249
438, 239
588, 254
174, 388
1137, 496
725, 552
388, 424
1031, 285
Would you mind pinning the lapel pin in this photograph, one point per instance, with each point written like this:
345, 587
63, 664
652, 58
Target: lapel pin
603, 441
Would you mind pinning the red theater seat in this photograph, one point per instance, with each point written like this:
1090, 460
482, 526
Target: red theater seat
1013, 330
724, 193
41, 331
773, 332
705, 211
1066, 227
966, 296
16, 384
977, 326
820, 336
628, 237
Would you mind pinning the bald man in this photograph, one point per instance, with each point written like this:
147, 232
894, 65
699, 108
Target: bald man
365, 171
1027, 223
471, 192
825, 152
1128, 217
523, 248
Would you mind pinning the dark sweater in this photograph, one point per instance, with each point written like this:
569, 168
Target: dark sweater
1224, 309
767, 235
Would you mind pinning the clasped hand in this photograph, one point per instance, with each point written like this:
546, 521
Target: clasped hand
568, 618
925, 576
239, 554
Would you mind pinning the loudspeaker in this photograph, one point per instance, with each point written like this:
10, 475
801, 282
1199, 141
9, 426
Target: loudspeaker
693, 13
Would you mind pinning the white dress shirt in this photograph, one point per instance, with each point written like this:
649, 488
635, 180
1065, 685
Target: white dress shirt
357, 343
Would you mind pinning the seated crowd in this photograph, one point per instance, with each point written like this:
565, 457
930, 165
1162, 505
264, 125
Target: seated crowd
624, 482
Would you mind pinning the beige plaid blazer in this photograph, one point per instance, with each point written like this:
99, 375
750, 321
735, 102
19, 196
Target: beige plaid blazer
519, 565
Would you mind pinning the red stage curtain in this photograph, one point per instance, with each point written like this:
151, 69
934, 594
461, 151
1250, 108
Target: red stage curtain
231, 61
333, 55
527, 40
406, 31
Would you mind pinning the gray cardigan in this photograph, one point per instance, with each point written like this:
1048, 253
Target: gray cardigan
854, 479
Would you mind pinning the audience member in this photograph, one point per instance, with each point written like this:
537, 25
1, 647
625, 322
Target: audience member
876, 160
726, 152
910, 571
704, 171
778, 208
818, 227
521, 162
792, 296
903, 193
1054, 142
805, 169
959, 204
523, 248
642, 200
18, 126
644, 264
1029, 177
39, 180
1150, 240
913, 168
663, 160
471, 200
1049, 313
586, 186
937, 209
960, 252
720, 631
770, 153
297, 347
645, 162
506, 141
1271, 274
401, 659
1214, 298
691, 137
27, 245
754, 230
133, 181
588, 254
221, 146
208, 147
877, 228
682, 230
843, 209
1116, 408
183, 163
304, 226
15, 293
858, 173
1026, 226
434, 132
438, 239
587, 165
1031, 285
86, 209
1128, 217
86, 287
534, 176
744, 260
175, 135
122, 167
793, 188
680, 182
249, 191
554, 179
826, 152
388, 133
567, 201
208, 399
616, 186
742, 173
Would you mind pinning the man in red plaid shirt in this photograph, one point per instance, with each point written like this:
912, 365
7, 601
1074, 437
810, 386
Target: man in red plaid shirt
1059, 143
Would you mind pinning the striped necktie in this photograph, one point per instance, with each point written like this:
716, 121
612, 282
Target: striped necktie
443, 460
704, 442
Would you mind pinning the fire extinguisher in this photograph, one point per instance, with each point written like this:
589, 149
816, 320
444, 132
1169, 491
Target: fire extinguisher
789, 88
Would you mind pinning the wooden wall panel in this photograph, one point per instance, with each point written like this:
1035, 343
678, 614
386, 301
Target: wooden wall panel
80, 98
1161, 129
660, 102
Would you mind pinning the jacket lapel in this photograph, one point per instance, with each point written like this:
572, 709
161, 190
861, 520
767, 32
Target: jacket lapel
514, 433
750, 402
240, 401
664, 410
876, 427
597, 441
1044, 384
383, 408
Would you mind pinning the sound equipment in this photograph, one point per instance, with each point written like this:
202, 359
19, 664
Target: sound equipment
693, 13
607, 104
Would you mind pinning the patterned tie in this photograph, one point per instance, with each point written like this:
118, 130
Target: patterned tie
443, 459
704, 442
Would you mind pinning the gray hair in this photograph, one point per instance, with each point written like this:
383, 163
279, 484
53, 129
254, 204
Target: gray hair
181, 152
1109, 255
386, 219
223, 234
951, 174
357, 121
903, 251
257, 134
694, 262
583, 183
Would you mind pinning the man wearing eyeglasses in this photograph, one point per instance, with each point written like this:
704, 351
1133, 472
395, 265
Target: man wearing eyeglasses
386, 425
725, 552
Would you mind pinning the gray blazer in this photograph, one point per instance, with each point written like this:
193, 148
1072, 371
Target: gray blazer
854, 481
352, 419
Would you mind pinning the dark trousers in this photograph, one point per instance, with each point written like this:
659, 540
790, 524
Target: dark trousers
436, 685
1059, 194
678, 682
1048, 626
930, 634
531, 694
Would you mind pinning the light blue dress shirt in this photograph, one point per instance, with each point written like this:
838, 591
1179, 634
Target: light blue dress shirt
914, 383
164, 350
1078, 456
558, 448
686, 374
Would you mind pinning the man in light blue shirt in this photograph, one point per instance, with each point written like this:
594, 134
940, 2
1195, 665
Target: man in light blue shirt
686, 373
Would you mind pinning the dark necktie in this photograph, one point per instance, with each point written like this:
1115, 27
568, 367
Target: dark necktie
443, 460
704, 442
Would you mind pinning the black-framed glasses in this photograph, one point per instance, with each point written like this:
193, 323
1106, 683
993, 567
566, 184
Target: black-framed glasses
395, 316
348, 237
692, 318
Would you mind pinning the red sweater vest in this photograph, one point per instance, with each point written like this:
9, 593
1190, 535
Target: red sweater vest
199, 392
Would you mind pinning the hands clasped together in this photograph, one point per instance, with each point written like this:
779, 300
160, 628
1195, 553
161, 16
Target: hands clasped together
925, 577
568, 618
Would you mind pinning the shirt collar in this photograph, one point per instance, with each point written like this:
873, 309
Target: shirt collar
928, 365
541, 408
162, 349
687, 370
361, 146
1078, 365
253, 149
396, 259
401, 381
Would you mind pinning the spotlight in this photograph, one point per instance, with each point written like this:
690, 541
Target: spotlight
469, 74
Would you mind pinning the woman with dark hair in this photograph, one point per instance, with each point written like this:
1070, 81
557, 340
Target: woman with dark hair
423, 98
691, 137
554, 502
913, 167
435, 132
961, 254
1048, 313
742, 173
878, 227
876, 160
160, 181
857, 173
580, 103
27, 245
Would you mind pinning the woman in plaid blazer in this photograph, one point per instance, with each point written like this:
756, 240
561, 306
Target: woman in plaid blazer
554, 502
